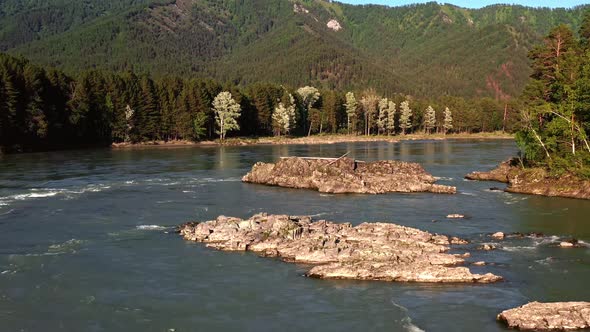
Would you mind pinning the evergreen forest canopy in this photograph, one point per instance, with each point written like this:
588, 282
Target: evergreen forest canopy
48, 109
424, 50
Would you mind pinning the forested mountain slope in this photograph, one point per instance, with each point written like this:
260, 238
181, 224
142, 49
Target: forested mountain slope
426, 49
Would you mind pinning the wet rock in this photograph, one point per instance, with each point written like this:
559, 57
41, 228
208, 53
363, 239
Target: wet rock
535, 181
569, 243
346, 176
487, 247
536, 316
495, 189
498, 236
499, 174
455, 216
369, 251
480, 263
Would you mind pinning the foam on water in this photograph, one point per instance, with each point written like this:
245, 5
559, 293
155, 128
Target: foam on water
407, 321
39, 193
151, 227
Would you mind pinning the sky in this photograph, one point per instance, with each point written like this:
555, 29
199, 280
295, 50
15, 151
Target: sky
477, 3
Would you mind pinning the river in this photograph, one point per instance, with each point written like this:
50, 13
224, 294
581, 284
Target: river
87, 243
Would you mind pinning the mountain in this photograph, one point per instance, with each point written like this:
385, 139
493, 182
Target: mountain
424, 50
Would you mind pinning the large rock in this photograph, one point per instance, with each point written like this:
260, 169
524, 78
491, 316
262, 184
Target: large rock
535, 181
369, 251
346, 176
558, 316
499, 174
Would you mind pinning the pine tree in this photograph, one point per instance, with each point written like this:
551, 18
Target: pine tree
351, 106
405, 120
383, 116
227, 111
429, 119
448, 121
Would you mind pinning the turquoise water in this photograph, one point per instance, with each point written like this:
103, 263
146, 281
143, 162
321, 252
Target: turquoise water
87, 243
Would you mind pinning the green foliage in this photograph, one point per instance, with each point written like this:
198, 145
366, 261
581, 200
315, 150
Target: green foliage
556, 113
246, 42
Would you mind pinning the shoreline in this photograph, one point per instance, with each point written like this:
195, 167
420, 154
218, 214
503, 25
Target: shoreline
535, 181
313, 140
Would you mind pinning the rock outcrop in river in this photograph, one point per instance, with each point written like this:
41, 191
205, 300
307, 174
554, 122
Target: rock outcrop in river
558, 316
346, 176
535, 181
369, 251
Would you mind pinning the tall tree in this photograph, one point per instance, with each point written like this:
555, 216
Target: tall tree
369, 102
284, 116
448, 120
429, 119
227, 111
391, 111
351, 107
405, 120
309, 96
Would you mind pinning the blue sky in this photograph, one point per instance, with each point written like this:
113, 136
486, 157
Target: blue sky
477, 3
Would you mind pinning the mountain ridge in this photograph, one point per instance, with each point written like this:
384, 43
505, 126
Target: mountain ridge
420, 49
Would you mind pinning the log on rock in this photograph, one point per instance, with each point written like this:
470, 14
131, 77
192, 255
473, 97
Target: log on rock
369, 251
345, 175
557, 316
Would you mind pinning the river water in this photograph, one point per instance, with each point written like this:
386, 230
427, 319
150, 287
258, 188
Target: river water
87, 243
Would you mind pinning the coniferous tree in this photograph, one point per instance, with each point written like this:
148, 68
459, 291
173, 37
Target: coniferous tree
383, 117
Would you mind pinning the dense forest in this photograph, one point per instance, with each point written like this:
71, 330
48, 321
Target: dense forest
422, 50
555, 117
145, 70
46, 109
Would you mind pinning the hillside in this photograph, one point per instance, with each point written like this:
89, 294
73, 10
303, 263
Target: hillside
427, 49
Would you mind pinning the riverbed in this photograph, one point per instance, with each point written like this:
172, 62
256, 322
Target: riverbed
87, 243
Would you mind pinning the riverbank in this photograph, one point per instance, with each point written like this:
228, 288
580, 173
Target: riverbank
535, 181
317, 139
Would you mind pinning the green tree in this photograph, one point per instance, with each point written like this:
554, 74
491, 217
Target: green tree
429, 119
405, 121
227, 111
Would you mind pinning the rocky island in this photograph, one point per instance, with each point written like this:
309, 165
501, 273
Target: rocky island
558, 316
345, 175
369, 251
534, 181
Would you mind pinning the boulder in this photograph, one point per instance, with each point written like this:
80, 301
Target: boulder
346, 175
369, 251
536, 316
498, 236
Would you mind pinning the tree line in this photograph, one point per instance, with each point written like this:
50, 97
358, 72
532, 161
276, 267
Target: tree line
45, 108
